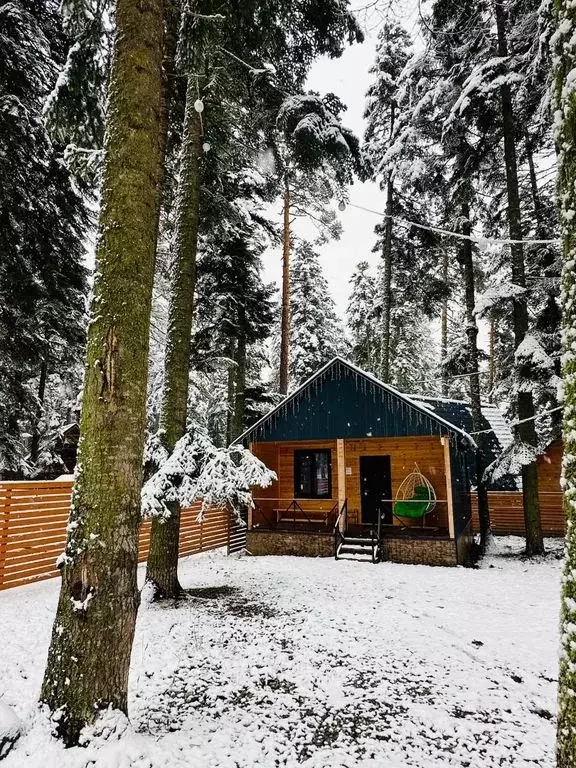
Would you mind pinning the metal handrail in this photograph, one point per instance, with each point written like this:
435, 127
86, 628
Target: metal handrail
338, 534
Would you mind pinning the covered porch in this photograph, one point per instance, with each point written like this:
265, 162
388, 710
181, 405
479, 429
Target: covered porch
336, 497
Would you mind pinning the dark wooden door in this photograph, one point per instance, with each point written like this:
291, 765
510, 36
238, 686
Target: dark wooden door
375, 489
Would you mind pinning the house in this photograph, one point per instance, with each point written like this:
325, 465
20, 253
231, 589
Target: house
342, 446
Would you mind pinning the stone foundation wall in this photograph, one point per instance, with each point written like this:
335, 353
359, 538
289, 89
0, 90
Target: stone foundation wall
420, 551
396, 550
284, 543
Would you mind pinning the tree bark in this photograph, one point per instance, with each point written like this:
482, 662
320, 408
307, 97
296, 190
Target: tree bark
231, 391
550, 318
526, 430
89, 655
492, 360
536, 201
240, 381
444, 328
387, 266
387, 281
162, 566
285, 322
35, 440
467, 263
565, 125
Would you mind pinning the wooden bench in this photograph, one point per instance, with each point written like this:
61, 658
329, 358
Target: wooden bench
315, 516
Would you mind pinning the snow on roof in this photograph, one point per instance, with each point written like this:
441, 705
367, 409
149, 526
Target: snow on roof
502, 430
419, 406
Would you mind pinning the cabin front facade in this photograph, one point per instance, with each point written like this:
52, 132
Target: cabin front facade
341, 446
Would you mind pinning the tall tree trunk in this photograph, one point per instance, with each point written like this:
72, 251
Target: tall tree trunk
231, 391
492, 360
285, 323
162, 566
387, 267
387, 281
35, 440
550, 318
536, 201
89, 655
239, 414
444, 328
467, 263
526, 429
565, 110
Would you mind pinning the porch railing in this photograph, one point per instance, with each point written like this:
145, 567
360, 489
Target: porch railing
340, 527
294, 514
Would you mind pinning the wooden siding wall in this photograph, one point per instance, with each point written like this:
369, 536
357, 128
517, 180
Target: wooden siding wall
33, 518
506, 511
404, 452
426, 451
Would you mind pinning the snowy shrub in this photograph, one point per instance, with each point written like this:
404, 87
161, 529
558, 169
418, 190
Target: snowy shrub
199, 471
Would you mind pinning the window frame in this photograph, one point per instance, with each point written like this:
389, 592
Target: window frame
299, 453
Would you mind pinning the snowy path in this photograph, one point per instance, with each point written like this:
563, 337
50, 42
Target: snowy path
320, 663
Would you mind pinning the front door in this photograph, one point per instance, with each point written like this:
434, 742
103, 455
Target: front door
375, 488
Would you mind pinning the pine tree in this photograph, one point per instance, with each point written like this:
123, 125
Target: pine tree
236, 313
392, 54
316, 334
565, 135
42, 226
362, 319
318, 154
89, 655
74, 111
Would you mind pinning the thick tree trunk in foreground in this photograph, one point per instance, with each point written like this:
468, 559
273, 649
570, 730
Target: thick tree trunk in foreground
387, 282
162, 567
91, 643
566, 147
285, 323
467, 263
526, 430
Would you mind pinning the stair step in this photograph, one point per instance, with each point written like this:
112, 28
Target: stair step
356, 549
358, 540
358, 557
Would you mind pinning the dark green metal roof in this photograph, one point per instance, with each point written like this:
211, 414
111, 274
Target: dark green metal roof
496, 433
342, 401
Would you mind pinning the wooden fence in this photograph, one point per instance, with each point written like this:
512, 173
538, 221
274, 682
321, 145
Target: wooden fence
33, 519
507, 515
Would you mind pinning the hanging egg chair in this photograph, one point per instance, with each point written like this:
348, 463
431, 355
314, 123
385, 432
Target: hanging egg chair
415, 497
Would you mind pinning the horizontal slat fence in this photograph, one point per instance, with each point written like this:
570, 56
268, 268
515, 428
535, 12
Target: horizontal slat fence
507, 515
33, 519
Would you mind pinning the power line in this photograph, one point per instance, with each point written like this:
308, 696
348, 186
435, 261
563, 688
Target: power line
482, 242
521, 421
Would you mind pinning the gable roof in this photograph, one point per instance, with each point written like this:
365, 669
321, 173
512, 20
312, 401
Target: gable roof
339, 369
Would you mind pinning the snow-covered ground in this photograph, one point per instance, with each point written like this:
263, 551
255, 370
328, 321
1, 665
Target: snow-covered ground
285, 661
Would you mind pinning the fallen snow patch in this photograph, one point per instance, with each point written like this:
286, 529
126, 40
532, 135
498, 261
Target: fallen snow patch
281, 661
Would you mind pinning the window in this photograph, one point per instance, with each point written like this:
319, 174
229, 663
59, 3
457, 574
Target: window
312, 475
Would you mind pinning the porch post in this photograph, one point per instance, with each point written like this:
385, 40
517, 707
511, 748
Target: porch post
341, 474
448, 472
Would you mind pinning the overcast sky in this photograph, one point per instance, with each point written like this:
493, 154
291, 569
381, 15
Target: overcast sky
348, 77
